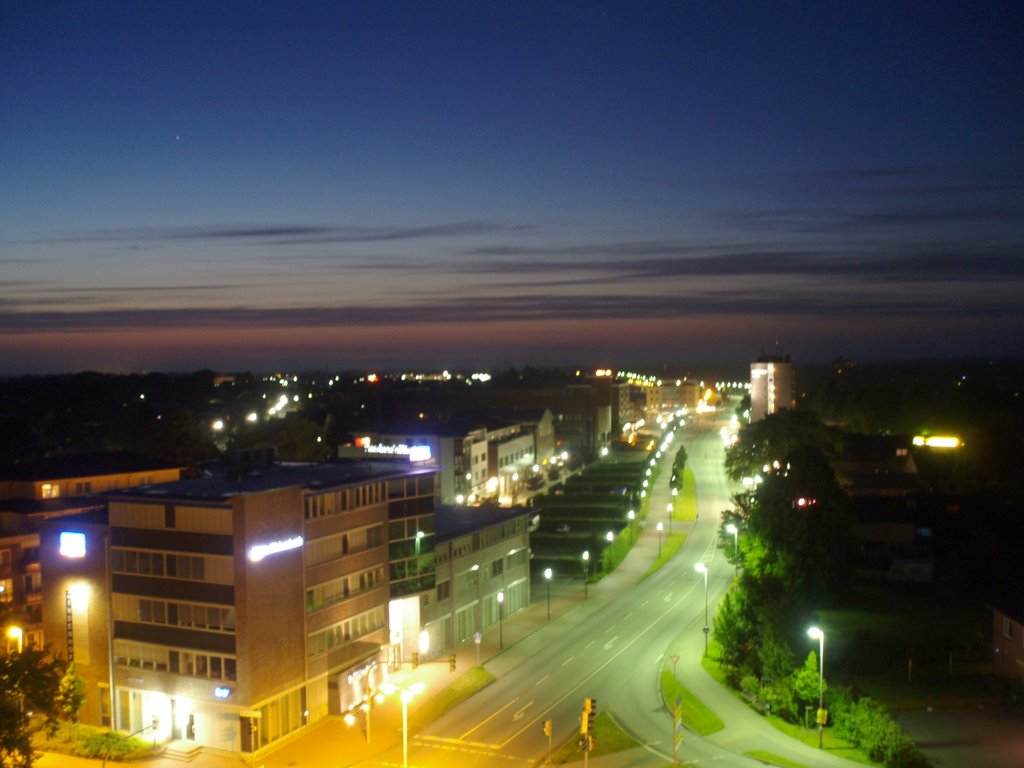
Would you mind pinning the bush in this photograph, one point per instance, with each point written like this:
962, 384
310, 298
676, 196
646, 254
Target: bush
120, 746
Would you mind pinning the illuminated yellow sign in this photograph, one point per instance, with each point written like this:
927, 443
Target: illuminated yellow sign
937, 441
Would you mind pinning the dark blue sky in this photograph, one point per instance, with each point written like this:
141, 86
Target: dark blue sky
377, 184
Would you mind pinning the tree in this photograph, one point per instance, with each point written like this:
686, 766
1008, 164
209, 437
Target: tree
29, 683
71, 696
774, 438
806, 679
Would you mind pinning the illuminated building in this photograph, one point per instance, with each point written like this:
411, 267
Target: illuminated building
245, 606
772, 386
481, 552
53, 487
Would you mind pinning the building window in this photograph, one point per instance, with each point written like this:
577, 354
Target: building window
6, 591
51, 491
1007, 627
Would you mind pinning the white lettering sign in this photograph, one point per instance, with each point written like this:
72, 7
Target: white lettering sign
414, 452
259, 551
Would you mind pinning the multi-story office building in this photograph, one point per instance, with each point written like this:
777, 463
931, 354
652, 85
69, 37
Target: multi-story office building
41, 489
237, 609
772, 386
482, 454
481, 552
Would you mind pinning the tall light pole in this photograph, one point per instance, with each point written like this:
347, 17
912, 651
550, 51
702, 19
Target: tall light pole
406, 695
668, 508
586, 571
731, 528
632, 518
547, 578
660, 529
815, 633
701, 568
501, 621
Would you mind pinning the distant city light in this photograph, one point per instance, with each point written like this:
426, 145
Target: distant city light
937, 441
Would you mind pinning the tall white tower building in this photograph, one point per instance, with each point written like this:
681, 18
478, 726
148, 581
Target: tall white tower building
772, 386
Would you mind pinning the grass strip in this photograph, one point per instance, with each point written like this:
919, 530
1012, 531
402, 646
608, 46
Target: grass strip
670, 546
435, 705
685, 508
773, 759
608, 738
694, 714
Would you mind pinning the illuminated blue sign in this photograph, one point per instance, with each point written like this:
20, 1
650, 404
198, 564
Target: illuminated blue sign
72, 544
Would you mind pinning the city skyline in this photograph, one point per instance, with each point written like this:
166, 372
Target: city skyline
377, 186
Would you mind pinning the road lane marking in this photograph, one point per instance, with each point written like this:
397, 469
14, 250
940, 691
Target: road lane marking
571, 692
522, 711
610, 643
478, 725
588, 644
668, 597
541, 680
628, 615
609, 629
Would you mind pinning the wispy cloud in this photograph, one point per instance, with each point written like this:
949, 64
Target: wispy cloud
293, 234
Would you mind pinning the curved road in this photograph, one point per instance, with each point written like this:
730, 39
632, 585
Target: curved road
613, 647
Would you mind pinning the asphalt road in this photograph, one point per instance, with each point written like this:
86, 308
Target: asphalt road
611, 648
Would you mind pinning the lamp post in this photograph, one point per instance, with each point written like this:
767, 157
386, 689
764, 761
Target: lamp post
730, 528
547, 578
668, 509
406, 695
815, 633
701, 568
660, 529
632, 519
586, 571
501, 621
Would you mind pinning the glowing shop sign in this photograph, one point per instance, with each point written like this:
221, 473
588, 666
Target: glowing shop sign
937, 441
414, 452
259, 551
220, 692
72, 544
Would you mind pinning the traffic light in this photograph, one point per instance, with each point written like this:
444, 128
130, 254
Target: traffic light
451, 663
587, 718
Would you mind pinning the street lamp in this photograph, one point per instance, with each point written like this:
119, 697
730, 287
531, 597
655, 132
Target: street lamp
610, 537
815, 633
406, 695
586, 571
731, 528
501, 621
660, 529
668, 509
632, 518
701, 568
16, 633
547, 578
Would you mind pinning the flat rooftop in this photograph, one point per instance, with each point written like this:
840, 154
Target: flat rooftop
222, 483
451, 521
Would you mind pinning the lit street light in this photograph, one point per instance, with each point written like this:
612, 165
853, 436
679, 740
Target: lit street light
660, 529
586, 571
701, 568
668, 509
547, 578
730, 528
501, 620
406, 695
815, 633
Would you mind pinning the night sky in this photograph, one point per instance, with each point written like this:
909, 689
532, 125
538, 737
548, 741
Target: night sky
389, 185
